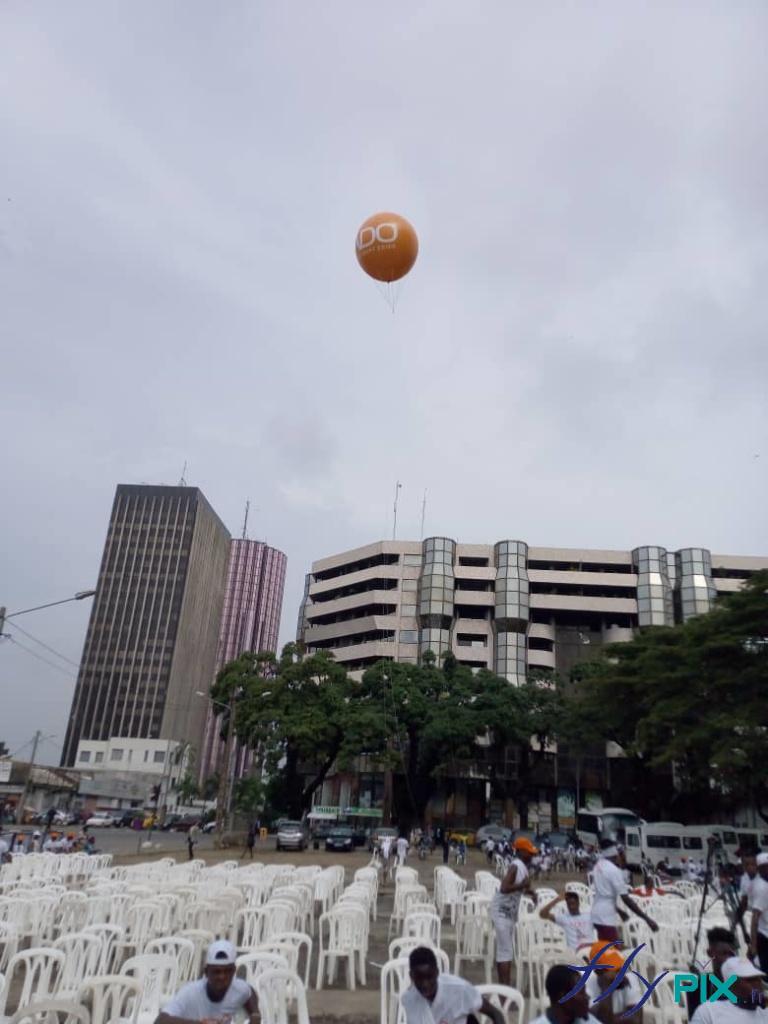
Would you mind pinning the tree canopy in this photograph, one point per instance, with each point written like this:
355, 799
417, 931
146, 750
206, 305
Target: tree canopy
693, 696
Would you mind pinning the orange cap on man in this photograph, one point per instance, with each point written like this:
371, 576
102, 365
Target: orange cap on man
607, 956
525, 846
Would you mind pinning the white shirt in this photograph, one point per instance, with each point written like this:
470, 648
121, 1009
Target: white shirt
758, 901
578, 928
544, 1019
745, 887
454, 999
622, 999
402, 847
725, 1012
609, 883
508, 903
192, 1002
386, 846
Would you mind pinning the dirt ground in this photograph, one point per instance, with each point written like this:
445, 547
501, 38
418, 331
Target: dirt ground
337, 1004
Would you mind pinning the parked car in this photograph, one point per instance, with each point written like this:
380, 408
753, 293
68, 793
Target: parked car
528, 833
361, 835
101, 819
209, 826
377, 835
292, 835
184, 823
469, 837
340, 838
498, 833
128, 817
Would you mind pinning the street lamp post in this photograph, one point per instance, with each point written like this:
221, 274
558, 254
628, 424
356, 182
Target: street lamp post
79, 596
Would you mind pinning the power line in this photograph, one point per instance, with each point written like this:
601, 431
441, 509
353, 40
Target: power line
51, 650
51, 664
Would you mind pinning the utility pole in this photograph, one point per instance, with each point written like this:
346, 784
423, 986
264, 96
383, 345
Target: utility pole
25, 792
2, 619
398, 485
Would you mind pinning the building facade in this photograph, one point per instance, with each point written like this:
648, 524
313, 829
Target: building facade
152, 637
253, 603
506, 606
513, 609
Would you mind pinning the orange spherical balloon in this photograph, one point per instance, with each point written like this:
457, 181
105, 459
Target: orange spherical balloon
386, 246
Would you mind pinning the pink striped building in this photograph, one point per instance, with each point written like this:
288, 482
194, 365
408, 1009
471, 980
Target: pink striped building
250, 621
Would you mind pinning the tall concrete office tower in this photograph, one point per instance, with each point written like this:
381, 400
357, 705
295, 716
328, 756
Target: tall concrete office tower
153, 633
253, 603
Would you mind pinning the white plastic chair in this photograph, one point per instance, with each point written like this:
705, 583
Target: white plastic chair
423, 926
83, 954
112, 998
395, 979
342, 933
509, 1000
110, 936
474, 942
201, 939
402, 947
158, 976
51, 1011
277, 991
296, 947
182, 951
250, 966
37, 967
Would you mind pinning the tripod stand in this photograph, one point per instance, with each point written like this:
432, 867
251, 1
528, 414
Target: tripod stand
727, 895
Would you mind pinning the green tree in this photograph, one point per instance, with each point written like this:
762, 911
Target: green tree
693, 697
187, 789
248, 796
295, 712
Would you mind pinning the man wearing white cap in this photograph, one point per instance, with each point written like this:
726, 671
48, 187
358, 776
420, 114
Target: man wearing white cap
609, 884
216, 998
758, 902
748, 990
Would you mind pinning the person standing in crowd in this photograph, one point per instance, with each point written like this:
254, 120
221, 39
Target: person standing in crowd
402, 850
385, 849
250, 842
560, 980
628, 994
748, 875
749, 992
577, 926
436, 998
191, 840
759, 907
218, 996
609, 885
721, 946
446, 844
505, 905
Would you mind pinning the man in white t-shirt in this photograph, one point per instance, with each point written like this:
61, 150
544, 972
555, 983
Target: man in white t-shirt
216, 998
505, 905
560, 980
609, 885
435, 998
759, 906
748, 875
749, 1007
577, 926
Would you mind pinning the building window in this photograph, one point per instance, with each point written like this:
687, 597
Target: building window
159, 756
116, 754
146, 755
85, 756
98, 756
409, 636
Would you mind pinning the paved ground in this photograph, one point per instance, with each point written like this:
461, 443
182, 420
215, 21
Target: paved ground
337, 1003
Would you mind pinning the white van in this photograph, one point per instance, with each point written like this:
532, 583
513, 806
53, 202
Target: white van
654, 841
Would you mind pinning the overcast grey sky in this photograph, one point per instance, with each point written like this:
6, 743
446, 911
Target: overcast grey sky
578, 357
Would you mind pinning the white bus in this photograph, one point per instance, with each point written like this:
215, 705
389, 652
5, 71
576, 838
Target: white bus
653, 841
596, 826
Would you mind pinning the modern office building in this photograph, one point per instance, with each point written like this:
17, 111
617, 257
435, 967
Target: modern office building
506, 606
152, 637
253, 603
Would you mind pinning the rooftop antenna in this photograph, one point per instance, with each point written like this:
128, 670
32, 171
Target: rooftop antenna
423, 512
183, 481
245, 521
398, 485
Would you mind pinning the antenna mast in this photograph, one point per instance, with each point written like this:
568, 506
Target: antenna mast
423, 512
398, 485
183, 481
245, 520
